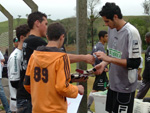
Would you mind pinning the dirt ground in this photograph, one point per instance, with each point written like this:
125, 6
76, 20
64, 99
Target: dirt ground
2, 111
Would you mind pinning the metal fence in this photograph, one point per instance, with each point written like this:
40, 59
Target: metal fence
4, 41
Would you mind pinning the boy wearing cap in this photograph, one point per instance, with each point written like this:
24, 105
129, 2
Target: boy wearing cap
15, 42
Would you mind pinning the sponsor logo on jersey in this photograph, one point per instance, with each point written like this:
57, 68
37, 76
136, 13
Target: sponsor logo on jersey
24, 45
114, 53
135, 46
122, 109
15, 62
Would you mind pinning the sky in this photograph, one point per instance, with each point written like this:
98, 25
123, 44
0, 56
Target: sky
60, 9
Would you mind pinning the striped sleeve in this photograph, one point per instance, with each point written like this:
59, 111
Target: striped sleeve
134, 46
66, 69
63, 78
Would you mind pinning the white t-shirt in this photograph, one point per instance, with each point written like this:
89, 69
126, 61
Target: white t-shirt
1, 58
14, 65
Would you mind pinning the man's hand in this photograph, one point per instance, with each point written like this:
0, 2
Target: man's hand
2, 63
80, 89
103, 56
100, 68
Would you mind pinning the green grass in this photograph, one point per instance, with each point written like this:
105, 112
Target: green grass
91, 80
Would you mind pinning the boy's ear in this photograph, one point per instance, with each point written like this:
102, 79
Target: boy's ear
115, 16
62, 36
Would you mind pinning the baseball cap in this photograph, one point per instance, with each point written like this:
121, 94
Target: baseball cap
15, 39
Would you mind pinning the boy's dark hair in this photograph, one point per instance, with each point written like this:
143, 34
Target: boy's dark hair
35, 16
22, 30
55, 30
109, 10
147, 35
102, 34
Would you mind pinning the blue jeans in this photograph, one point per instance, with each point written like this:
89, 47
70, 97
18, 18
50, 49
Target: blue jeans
24, 106
3, 98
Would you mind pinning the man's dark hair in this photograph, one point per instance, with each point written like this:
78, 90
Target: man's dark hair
109, 10
34, 17
55, 30
102, 34
22, 30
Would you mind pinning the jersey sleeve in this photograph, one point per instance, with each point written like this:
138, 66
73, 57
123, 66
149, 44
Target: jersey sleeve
26, 81
134, 46
141, 64
63, 78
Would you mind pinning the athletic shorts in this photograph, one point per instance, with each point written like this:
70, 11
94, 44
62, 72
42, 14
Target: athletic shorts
119, 102
100, 82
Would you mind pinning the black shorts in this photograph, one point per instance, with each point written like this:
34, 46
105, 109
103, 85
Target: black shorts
119, 102
100, 82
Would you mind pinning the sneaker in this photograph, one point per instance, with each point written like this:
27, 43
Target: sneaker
89, 111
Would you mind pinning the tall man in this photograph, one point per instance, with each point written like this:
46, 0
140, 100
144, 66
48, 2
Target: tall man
145, 85
14, 65
124, 51
37, 22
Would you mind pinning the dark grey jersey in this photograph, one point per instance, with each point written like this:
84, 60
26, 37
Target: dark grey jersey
123, 44
98, 47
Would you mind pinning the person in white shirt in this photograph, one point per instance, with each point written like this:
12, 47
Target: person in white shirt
2, 94
14, 65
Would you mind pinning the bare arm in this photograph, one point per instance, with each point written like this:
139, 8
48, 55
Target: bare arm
104, 57
100, 67
2, 60
78, 58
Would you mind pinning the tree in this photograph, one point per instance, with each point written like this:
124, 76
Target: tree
70, 27
141, 25
19, 16
27, 15
146, 6
92, 15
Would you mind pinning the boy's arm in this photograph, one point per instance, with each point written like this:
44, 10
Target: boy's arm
78, 58
2, 60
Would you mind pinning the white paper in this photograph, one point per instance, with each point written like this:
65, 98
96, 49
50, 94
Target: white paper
73, 104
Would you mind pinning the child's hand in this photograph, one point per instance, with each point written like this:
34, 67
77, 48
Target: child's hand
80, 89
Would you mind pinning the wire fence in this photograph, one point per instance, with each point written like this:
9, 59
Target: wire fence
4, 41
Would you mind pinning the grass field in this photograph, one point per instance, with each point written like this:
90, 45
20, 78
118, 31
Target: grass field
91, 80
